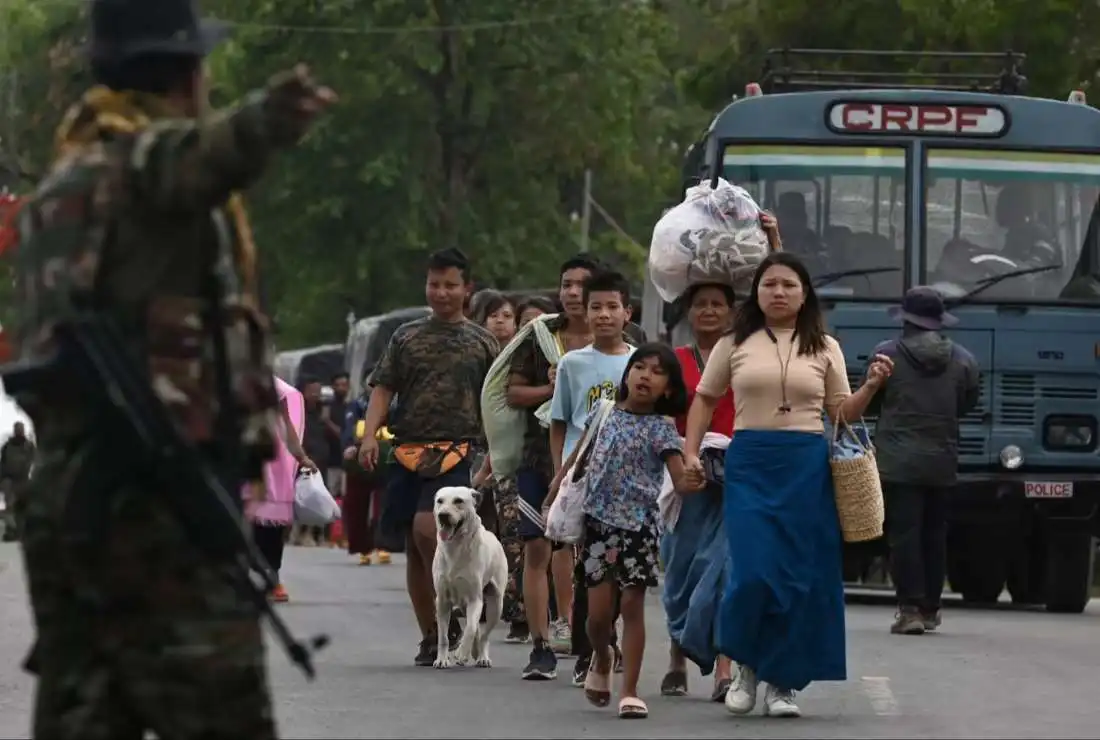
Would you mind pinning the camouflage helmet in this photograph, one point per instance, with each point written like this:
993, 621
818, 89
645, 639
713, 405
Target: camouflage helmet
123, 29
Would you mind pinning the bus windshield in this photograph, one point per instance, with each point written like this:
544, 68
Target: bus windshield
988, 213
840, 208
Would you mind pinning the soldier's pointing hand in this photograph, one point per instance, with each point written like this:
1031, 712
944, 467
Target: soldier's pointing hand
295, 99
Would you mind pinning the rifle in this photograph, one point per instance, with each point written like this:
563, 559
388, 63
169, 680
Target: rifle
91, 350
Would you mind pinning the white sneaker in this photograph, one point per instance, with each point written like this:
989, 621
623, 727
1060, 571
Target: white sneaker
780, 703
741, 697
561, 637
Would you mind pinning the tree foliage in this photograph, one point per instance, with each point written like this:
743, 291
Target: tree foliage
472, 124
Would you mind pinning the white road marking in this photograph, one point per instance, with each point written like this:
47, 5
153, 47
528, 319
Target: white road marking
877, 689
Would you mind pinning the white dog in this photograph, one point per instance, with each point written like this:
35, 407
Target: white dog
470, 571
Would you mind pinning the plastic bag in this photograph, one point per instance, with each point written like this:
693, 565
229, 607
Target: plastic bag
714, 236
314, 506
565, 520
505, 426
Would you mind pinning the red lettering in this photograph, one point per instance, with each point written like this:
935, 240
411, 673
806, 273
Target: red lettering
896, 114
915, 118
933, 115
968, 117
863, 121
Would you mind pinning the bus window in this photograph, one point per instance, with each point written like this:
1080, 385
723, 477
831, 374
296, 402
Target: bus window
839, 208
988, 213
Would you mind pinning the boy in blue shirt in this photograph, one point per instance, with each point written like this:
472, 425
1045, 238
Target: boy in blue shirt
583, 377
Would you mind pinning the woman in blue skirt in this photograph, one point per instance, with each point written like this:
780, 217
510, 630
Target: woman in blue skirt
782, 612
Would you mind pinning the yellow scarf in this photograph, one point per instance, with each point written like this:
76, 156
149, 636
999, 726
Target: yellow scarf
102, 110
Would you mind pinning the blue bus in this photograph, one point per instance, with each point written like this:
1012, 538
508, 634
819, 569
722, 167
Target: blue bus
960, 181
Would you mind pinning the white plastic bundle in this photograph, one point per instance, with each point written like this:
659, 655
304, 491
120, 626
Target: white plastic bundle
714, 236
504, 425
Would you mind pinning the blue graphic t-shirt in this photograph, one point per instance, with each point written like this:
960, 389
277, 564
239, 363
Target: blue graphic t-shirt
584, 376
626, 467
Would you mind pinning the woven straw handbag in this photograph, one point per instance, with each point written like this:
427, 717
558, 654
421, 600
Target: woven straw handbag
858, 489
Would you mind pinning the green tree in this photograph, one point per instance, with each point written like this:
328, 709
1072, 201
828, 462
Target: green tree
41, 72
471, 127
1062, 54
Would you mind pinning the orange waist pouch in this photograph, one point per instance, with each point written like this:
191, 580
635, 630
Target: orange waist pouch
431, 459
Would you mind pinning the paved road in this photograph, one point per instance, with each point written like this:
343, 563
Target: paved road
988, 674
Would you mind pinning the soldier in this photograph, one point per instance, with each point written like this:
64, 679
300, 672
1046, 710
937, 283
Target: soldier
138, 629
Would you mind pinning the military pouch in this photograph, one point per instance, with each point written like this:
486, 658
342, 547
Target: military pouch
182, 376
179, 371
431, 459
253, 386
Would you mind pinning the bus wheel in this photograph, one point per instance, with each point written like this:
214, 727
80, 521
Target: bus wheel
984, 567
1026, 572
958, 567
1070, 560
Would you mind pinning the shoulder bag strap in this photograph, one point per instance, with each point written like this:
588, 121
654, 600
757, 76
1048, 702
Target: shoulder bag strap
698, 358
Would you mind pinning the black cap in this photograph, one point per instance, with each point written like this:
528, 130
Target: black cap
122, 29
923, 306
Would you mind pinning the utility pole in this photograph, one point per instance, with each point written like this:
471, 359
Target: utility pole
586, 210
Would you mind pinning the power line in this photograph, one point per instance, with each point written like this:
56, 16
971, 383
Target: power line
400, 30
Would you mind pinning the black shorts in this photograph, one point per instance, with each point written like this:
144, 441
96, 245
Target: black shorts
408, 494
533, 487
620, 556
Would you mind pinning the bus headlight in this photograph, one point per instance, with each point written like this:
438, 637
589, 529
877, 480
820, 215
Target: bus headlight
1070, 433
1012, 457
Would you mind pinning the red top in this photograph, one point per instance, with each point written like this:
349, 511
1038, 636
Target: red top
722, 421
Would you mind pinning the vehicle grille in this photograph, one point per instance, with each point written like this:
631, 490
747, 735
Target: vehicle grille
1016, 399
971, 445
1017, 394
976, 415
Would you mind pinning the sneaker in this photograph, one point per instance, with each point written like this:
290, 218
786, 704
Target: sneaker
518, 634
932, 619
543, 665
561, 637
580, 670
780, 703
429, 651
741, 697
908, 622
279, 595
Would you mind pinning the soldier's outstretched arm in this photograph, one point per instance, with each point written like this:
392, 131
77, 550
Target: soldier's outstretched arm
181, 165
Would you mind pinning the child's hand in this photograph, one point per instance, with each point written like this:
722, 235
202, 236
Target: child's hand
694, 479
687, 474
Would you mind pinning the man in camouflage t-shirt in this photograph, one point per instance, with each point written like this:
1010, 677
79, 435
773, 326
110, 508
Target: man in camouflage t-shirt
435, 366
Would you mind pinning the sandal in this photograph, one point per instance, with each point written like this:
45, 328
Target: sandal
721, 688
675, 683
597, 687
631, 707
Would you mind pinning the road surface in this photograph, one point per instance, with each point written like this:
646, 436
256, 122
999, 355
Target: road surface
987, 674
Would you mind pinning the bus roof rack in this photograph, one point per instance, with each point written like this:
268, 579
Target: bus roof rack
797, 70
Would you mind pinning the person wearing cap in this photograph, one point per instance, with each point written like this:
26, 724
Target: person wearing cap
934, 384
139, 628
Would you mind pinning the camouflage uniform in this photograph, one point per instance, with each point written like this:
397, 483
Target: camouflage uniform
138, 629
436, 368
16, 459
